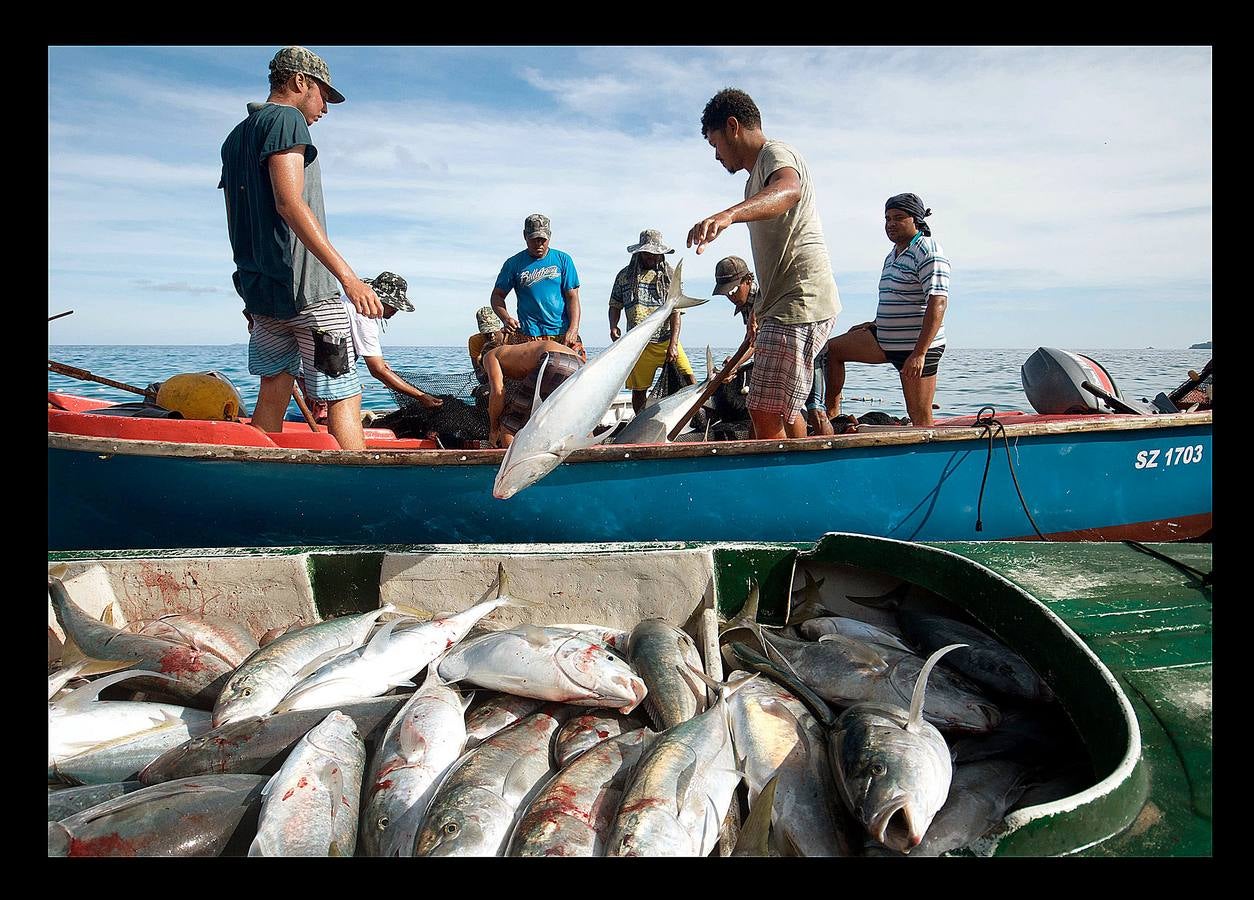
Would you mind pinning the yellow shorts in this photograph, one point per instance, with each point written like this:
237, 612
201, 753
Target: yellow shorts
653, 358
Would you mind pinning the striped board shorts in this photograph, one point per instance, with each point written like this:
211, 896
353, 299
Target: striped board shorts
783, 366
308, 344
520, 394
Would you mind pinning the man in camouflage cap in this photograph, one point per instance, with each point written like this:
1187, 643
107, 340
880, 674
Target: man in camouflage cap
491, 334
639, 289
286, 270
547, 286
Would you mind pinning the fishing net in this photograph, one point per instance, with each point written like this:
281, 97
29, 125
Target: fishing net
458, 385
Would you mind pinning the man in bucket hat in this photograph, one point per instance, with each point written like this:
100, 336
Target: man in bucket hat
390, 289
547, 287
286, 270
639, 289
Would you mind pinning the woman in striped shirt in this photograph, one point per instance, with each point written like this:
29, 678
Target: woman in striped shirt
909, 329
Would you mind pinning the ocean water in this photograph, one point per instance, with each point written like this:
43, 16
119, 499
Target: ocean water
968, 378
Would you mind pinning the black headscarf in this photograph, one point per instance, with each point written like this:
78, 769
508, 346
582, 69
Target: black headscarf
912, 204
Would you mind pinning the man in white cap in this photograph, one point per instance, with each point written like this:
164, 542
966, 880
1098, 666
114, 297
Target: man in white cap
547, 286
286, 269
639, 289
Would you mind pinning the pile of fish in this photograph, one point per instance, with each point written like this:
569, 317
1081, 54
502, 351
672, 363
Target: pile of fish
383, 735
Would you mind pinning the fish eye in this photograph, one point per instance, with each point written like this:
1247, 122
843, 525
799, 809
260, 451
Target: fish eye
878, 769
246, 692
383, 822
450, 828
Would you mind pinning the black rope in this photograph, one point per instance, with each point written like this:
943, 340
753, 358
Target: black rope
1204, 577
987, 424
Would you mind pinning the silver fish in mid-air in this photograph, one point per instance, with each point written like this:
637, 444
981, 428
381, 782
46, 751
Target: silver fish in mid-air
654, 422
563, 423
427, 736
263, 680
311, 803
892, 768
476, 805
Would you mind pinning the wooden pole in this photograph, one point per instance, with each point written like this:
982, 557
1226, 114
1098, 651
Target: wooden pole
304, 407
713, 386
84, 375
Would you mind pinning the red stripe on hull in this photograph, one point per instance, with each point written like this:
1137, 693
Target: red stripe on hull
1180, 528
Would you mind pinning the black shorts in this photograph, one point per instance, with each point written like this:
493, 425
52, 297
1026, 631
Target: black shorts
931, 359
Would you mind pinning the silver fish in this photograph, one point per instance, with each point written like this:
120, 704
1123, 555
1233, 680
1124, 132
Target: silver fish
663, 656
197, 675
814, 629
575, 810
979, 797
261, 682
776, 737
391, 657
986, 661
259, 744
427, 736
123, 758
563, 423
311, 803
892, 768
682, 788
546, 663
496, 713
654, 422
66, 802
844, 671
188, 817
586, 731
225, 638
475, 807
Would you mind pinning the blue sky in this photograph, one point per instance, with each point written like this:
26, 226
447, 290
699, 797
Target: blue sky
1071, 186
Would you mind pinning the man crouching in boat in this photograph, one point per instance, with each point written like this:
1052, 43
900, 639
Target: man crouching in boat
509, 410
909, 326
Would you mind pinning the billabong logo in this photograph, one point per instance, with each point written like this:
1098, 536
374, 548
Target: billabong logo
531, 276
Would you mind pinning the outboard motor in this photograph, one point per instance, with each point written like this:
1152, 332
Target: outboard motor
1052, 380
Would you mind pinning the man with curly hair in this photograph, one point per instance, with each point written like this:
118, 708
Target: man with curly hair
798, 300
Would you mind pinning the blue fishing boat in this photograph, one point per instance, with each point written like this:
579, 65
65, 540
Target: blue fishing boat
123, 483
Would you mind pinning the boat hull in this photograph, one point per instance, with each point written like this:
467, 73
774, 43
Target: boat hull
1146, 479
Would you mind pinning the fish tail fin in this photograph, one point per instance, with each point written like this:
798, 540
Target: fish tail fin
920, 686
755, 834
722, 689
709, 363
535, 399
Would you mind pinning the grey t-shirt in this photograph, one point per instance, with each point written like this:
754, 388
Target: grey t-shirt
789, 252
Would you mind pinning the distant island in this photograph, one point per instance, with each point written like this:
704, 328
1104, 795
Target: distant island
1205, 346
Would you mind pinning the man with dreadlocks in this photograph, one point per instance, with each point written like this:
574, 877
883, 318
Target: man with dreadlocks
639, 289
909, 326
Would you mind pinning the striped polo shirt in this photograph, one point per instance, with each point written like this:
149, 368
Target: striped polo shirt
908, 279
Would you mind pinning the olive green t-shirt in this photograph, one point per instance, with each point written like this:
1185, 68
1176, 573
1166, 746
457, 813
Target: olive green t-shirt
789, 253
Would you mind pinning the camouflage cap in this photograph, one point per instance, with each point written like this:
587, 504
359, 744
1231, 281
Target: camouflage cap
488, 320
390, 289
537, 224
728, 273
298, 59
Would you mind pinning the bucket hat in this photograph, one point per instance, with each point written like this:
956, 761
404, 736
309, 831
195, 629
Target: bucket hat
650, 242
390, 289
